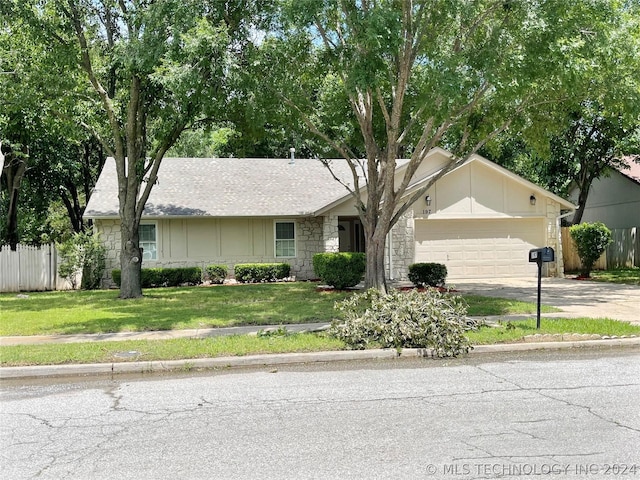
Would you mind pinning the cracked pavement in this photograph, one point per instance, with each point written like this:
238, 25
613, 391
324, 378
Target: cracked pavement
463, 418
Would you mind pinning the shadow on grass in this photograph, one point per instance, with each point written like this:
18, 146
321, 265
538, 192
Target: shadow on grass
165, 309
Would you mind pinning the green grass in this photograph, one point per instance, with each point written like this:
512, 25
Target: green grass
46, 313
176, 349
484, 306
77, 312
239, 345
628, 276
509, 332
199, 307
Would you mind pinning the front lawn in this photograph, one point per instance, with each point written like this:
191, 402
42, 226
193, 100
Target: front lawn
101, 311
281, 342
628, 276
77, 312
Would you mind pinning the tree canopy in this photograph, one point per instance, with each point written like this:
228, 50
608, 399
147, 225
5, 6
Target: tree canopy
380, 80
153, 70
568, 144
369, 81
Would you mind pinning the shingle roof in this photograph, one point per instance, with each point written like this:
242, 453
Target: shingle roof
229, 187
633, 172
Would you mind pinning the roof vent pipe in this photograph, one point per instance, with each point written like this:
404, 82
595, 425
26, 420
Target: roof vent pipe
292, 160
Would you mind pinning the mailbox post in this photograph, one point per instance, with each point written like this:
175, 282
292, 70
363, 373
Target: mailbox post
540, 256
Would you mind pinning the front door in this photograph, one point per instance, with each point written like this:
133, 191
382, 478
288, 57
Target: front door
350, 234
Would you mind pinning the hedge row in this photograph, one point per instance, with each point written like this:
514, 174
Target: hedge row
261, 272
165, 277
245, 272
216, 273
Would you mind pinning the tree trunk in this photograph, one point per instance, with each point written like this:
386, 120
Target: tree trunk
14, 168
130, 260
374, 275
582, 203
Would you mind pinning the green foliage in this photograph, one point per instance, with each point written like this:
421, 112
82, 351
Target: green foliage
591, 241
340, 269
164, 277
379, 81
404, 319
261, 272
216, 273
429, 274
82, 253
203, 143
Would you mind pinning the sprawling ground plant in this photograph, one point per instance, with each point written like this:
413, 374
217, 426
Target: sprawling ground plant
429, 319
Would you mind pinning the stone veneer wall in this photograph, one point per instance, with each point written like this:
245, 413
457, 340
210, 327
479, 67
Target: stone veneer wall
553, 269
402, 247
330, 236
109, 232
309, 240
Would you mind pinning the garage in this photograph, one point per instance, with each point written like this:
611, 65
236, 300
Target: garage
477, 248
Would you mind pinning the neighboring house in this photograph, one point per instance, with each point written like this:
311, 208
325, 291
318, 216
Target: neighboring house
615, 199
480, 220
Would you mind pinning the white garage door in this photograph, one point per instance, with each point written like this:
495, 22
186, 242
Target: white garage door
480, 248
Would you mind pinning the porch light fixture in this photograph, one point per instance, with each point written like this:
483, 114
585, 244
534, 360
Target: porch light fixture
428, 200
532, 199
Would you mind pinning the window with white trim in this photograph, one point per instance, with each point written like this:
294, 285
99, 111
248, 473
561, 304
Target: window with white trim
285, 239
148, 241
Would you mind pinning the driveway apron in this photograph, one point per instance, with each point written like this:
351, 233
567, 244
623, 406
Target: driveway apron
576, 298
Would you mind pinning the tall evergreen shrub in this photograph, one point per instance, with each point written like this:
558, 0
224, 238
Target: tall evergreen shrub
591, 240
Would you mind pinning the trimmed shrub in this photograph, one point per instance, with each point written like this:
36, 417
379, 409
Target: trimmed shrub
216, 273
340, 269
164, 277
152, 277
172, 277
405, 319
261, 272
427, 274
591, 241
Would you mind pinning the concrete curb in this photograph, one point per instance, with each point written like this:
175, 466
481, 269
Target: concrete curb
285, 359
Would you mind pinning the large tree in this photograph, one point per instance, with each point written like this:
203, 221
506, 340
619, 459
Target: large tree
28, 74
592, 130
155, 68
411, 75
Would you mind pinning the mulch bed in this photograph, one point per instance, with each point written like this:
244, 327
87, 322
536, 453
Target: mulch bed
324, 288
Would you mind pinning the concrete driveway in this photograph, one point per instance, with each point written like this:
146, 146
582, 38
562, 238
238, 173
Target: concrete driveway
577, 298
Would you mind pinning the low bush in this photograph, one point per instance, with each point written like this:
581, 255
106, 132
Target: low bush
261, 272
164, 277
216, 273
427, 274
340, 269
411, 319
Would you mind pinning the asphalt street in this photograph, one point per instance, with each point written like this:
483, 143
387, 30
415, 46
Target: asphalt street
551, 414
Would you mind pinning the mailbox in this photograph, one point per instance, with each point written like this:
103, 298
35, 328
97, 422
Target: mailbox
542, 255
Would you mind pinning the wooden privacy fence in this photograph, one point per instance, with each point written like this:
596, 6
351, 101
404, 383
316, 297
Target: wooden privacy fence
624, 251
29, 269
